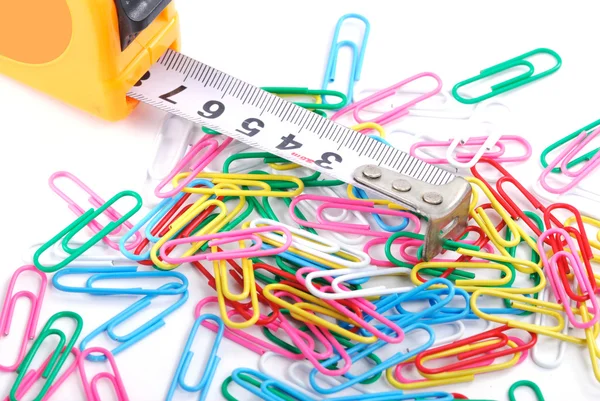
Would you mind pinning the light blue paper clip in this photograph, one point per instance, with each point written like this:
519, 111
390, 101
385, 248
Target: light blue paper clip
360, 351
186, 358
360, 194
358, 56
120, 273
138, 334
152, 218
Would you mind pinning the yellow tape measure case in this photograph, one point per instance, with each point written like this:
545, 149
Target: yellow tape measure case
88, 53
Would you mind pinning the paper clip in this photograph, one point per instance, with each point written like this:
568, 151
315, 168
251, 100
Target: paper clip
58, 358
315, 248
396, 113
8, 309
120, 273
170, 145
442, 109
349, 205
536, 355
260, 387
212, 149
33, 375
318, 94
594, 243
96, 201
525, 383
248, 180
221, 238
342, 275
583, 280
139, 333
222, 218
495, 152
98, 254
361, 350
186, 358
241, 337
72, 229
512, 83
156, 220
484, 344
565, 157
581, 159
529, 304
91, 387
358, 56
304, 315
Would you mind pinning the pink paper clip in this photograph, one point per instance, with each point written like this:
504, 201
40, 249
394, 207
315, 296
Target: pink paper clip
348, 204
326, 338
565, 157
466, 158
32, 376
96, 201
212, 150
221, 238
9, 307
91, 387
397, 112
245, 339
579, 271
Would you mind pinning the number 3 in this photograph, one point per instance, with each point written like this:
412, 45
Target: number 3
326, 159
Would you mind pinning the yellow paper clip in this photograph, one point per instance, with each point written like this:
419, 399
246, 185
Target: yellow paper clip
223, 217
318, 305
533, 305
223, 293
470, 285
248, 180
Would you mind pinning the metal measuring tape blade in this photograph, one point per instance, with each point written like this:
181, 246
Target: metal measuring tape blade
197, 92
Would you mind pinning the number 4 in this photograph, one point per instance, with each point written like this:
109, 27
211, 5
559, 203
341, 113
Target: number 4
289, 143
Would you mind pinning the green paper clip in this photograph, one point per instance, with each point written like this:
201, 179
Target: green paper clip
512, 83
79, 224
525, 383
579, 160
58, 358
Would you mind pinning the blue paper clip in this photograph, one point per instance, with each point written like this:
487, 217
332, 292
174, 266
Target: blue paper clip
138, 334
360, 351
360, 194
398, 395
443, 313
119, 273
154, 217
186, 358
358, 56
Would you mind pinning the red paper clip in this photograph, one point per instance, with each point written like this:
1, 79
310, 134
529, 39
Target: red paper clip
487, 352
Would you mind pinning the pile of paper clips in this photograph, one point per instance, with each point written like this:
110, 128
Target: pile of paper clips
332, 277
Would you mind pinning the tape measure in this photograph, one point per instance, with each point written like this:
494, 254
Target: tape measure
204, 95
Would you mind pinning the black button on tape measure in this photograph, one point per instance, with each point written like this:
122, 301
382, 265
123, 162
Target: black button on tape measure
135, 16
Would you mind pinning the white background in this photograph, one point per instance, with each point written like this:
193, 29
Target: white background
274, 43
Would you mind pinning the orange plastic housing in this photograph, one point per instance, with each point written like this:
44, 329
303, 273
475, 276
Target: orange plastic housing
70, 49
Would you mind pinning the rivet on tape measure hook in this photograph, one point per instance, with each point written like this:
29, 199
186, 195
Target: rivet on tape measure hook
197, 92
